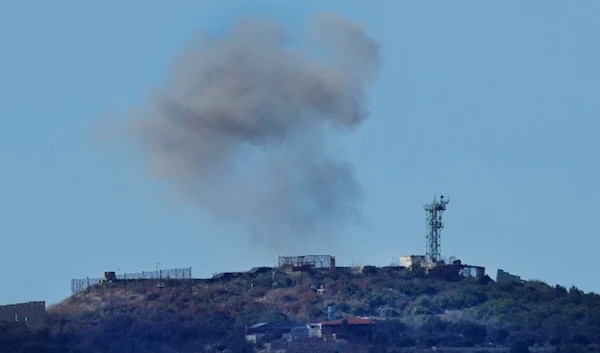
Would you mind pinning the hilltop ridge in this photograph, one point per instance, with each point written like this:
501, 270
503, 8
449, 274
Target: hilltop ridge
410, 308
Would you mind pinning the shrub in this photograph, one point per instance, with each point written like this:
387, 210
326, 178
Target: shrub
519, 347
151, 297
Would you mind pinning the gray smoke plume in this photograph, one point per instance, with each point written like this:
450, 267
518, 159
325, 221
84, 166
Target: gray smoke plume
244, 121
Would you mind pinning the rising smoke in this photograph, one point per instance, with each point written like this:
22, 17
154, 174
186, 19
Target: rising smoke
244, 122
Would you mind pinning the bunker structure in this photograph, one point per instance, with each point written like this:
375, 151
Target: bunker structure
304, 262
26, 313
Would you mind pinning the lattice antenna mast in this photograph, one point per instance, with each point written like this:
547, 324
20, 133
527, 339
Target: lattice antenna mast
434, 212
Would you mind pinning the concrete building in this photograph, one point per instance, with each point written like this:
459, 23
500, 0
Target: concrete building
410, 261
351, 329
454, 271
258, 332
30, 312
503, 276
306, 262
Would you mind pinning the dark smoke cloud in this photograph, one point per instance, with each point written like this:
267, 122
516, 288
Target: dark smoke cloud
243, 123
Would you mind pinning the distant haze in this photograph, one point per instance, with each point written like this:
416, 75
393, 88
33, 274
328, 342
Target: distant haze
244, 121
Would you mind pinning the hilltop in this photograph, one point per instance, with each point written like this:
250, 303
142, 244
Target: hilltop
410, 309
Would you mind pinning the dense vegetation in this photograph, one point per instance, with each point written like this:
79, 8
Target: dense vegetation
412, 311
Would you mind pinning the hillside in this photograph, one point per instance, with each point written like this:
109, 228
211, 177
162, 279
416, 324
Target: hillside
411, 310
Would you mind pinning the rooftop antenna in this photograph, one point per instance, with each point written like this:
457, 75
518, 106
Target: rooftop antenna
434, 213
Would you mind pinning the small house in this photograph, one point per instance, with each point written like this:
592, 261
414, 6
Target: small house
264, 330
352, 329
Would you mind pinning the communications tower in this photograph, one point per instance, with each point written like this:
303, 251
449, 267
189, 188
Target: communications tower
434, 212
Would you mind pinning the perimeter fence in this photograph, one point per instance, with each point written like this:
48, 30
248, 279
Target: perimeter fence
161, 278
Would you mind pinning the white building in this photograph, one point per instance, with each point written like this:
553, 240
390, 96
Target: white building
315, 330
410, 261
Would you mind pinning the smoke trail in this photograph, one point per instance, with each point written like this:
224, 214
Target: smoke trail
243, 122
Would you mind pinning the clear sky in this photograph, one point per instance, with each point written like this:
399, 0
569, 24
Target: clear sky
494, 104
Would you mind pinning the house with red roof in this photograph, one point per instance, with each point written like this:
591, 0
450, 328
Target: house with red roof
351, 329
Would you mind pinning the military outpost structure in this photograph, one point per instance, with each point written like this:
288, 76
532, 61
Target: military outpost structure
299, 263
149, 279
432, 262
505, 277
30, 312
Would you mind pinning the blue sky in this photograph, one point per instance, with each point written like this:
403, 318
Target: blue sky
494, 104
